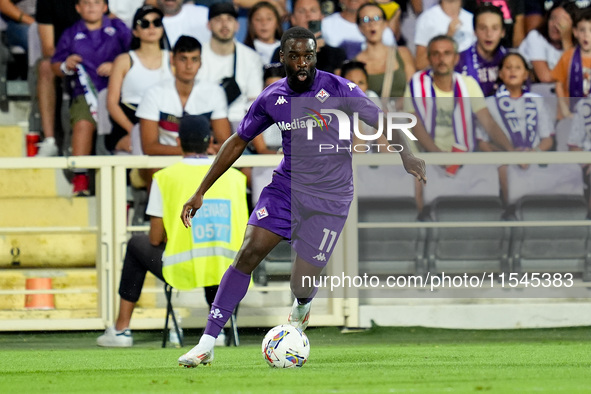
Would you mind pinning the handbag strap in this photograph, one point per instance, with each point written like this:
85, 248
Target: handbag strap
391, 64
234, 71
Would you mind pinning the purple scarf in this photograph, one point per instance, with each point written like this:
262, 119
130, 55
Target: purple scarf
575, 75
513, 123
485, 72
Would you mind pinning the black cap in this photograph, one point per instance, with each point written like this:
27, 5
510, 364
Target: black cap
222, 8
195, 130
143, 11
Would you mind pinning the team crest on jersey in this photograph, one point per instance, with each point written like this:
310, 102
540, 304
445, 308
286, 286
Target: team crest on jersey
351, 86
110, 30
80, 36
322, 95
262, 213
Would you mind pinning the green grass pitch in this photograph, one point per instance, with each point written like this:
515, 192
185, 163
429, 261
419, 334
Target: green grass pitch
381, 360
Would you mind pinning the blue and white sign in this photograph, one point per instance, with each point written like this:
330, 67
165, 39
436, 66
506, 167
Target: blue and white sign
212, 222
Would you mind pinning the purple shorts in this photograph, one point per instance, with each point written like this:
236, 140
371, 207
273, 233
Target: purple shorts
312, 225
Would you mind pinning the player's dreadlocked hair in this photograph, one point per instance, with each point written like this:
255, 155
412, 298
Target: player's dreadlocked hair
296, 33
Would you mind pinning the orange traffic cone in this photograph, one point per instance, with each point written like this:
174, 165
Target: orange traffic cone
39, 301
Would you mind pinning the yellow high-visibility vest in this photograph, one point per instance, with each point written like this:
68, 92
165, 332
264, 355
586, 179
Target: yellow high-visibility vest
199, 256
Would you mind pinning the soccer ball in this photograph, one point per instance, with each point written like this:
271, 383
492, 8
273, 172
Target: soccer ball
285, 346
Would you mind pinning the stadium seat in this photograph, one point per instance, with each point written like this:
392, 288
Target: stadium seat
543, 180
552, 249
386, 194
550, 193
470, 180
471, 196
15, 66
468, 249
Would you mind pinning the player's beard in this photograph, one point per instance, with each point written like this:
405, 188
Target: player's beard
301, 86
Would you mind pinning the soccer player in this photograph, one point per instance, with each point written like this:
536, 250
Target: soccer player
308, 200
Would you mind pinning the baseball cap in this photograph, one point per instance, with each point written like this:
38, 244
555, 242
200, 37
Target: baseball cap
222, 8
194, 129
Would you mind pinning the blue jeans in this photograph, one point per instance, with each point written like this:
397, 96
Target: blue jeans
16, 34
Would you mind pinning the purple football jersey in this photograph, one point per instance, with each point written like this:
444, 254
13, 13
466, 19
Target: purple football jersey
95, 47
317, 157
482, 70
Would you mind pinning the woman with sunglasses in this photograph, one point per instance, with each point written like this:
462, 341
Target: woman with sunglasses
133, 73
388, 68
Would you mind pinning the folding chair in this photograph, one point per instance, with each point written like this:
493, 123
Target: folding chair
232, 338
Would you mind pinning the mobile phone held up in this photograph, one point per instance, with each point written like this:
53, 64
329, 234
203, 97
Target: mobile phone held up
314, 26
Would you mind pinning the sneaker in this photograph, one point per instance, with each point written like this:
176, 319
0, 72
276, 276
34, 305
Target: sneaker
221, 339
300, 315
47, 148
80, 185
114, 338
196, 356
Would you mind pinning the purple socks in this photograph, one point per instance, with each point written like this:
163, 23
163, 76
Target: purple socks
233, 288
303, 301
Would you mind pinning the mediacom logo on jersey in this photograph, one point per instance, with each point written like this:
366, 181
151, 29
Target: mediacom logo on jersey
315, 120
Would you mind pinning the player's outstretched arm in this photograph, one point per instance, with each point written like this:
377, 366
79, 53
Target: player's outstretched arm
228, 154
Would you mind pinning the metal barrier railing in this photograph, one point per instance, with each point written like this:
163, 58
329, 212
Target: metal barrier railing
113, 232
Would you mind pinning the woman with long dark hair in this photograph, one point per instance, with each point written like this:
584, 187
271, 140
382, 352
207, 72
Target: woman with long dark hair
133, 73
544, 46
389, 68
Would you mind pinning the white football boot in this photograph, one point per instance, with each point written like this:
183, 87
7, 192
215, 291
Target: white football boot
300, 315
199, 355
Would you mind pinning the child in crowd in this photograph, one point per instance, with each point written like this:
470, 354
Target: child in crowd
355, 72
481, 60
84, 54
264, 30
573, 71
520, 113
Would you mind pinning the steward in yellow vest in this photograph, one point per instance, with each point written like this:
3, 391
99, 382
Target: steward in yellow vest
199, 257
184, 259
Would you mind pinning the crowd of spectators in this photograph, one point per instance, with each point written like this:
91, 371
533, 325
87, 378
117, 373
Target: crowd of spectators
130, 70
